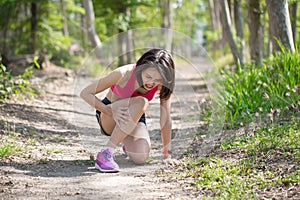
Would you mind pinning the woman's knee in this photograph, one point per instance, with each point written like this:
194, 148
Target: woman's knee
137, 150
141, 102
139, 158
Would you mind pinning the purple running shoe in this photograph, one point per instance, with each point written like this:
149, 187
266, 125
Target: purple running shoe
105, 161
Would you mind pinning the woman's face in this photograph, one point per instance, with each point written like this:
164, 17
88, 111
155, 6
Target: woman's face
151, 78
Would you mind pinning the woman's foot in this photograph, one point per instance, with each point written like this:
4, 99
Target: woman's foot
105, 161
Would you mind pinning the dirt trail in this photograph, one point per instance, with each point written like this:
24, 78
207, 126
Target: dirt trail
57, 132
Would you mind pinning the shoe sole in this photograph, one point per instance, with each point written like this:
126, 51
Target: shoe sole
106, 170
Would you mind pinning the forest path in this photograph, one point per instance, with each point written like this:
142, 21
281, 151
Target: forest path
58, 132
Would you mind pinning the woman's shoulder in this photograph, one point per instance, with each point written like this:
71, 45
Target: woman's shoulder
123, 70
122, 73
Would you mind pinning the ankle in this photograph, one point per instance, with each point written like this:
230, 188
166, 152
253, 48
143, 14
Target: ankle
112, 150
111, 145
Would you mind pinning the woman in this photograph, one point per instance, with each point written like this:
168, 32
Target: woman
121, 114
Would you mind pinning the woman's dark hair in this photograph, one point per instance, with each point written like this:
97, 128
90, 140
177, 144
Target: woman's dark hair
163, 62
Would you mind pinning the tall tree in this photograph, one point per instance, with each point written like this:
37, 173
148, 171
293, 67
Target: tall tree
91, 30
167, 22
214, 11
227, 29
255, 28
65, 28
6, 11
239, 27
129, 47
293, 11
125, 45
279, 25
34, 24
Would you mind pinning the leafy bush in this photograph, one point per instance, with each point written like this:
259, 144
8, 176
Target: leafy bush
10, 85
262, 92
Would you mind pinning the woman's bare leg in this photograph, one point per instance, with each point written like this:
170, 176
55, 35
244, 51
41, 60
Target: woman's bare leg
136, 107
138, 144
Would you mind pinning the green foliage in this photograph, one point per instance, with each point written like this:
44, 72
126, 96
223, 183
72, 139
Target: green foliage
111, 18
53, 16
10, 85
262, 93
189, 16
50, 22
5, 77
50, 36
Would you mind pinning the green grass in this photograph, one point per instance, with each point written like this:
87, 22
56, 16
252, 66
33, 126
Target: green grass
59, 139
282, 137
258, 168
264, 92
51, 150
190, 119
9, 148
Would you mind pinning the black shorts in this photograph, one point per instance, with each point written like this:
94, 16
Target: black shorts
106, 102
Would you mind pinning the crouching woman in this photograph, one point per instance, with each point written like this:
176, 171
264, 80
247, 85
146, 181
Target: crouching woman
121, 114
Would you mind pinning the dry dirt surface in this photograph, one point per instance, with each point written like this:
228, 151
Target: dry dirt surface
54, 138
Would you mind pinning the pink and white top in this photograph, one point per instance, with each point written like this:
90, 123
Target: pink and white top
129, 91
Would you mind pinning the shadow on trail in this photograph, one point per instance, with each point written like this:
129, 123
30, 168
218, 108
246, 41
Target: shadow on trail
29, 112
53, 168
43, 124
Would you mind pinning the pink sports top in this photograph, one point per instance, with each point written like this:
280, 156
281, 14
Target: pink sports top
128, 90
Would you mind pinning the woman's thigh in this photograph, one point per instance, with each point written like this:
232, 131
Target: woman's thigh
107, 123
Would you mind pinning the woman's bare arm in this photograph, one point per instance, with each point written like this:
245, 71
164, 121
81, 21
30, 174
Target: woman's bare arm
165, 123
89, 92
166, 132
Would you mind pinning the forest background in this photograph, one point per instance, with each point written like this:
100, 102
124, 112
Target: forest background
61, 28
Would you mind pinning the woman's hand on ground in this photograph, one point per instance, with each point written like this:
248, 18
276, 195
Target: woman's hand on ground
169, 161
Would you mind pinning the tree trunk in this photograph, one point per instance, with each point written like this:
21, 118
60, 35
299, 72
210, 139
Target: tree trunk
83, 31
125, 40
239, 27
293, 10
129, 47
33, 23
280, 25
230, 9
226, 28
129, 40
65, 29
9, 8
167, 23
215, 24
91, 30
256, 37
122, 47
